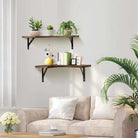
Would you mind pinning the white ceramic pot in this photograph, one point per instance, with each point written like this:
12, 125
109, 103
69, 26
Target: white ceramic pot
35, 33
50, 32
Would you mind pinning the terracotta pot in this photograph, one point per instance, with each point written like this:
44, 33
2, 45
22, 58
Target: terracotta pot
35, 33
67, 31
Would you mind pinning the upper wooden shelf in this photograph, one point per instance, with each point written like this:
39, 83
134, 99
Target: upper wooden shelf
59, 66
45, 67
54, 36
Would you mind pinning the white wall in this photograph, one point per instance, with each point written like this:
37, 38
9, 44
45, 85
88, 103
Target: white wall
105, 28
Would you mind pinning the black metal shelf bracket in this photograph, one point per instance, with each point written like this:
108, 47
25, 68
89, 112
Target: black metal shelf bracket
29, 42
83, 72
44, 70
71, 41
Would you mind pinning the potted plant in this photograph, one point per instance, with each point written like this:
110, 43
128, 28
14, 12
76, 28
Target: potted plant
66, 28
35, 25
130, 79
50, 30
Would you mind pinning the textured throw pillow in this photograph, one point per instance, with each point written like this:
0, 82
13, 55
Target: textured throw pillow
82, 111
63, 108
103, 110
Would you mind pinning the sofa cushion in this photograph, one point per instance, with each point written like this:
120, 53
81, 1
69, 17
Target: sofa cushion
42, 125
93, 127
103, 109
82, 111
63, 108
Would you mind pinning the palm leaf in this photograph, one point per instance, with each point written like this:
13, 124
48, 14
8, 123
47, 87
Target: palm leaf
134, 47
131, 67
136, 52
129, 81
132, 116
125, 100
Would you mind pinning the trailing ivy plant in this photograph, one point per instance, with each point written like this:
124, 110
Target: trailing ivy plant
130, 79
35, 25
66, 25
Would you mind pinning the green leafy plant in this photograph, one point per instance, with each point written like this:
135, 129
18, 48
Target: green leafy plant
35, 25
67, 25
49, 27
130, 79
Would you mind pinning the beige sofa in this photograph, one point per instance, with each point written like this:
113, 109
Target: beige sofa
35, 119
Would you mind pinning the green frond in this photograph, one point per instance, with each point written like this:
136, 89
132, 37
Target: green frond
134, 45
130, 66
125, 100
132, 116
129, 81
131, 101
135, 51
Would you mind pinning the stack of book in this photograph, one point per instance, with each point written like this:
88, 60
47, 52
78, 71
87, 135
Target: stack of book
52, 132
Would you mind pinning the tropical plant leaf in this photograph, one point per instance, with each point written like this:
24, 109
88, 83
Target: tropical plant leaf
129, 81
124, 100
135, 49
130, 66
134, 45
132, 116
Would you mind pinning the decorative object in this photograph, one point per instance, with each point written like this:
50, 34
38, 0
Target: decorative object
35, 25
136, 133
52, 132
107, 113
66, 28
49, 61
79, 60
73, 61
9, 119
60, 61
67, 58
63, 108
50, 30
53, 54
130, 79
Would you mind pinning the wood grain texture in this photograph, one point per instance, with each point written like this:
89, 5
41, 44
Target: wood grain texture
62, 66
35, 135
53, 36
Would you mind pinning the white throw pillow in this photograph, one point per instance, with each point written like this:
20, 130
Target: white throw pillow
63, 108
103, 110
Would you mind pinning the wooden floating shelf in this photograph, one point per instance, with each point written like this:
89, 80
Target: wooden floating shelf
45, 67
54, 36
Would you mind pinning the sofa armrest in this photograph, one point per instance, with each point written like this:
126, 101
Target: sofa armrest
28, 115
123, 127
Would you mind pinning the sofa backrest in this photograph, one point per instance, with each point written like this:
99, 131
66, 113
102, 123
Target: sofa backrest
82, 111
84, 108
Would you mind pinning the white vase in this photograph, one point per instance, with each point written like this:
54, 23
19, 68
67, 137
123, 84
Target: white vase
50, 32
35, 33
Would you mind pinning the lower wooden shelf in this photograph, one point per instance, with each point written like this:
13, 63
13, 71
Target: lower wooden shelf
45, 68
